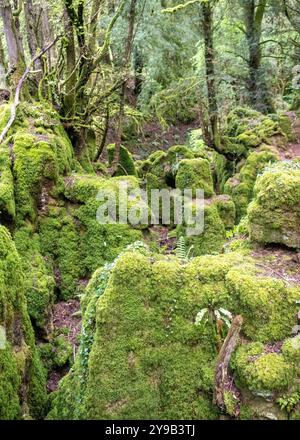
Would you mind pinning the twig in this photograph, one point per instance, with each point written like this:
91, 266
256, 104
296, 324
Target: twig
13, 110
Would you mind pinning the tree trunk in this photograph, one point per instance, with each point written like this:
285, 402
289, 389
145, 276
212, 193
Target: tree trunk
258, 91
14, 42
126, 66
47, 35
222, 376
69, 101
31, 20
209, 53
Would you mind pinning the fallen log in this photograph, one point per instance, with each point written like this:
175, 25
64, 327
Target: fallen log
222, 374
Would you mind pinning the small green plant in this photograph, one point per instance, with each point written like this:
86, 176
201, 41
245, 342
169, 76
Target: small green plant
215, 317
288, 403
182, 252
231, 233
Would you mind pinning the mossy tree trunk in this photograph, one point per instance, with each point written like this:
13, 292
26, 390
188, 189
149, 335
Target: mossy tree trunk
209, 53
83, 58
259, 95
126, 66
13, 40
32, 21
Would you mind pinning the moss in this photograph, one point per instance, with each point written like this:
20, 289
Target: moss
226, 209
222, 170
126, 164
60, 242
274, 215
57, 353
20, 363
262, 372
286, 126
10, 381
241, 186
195, 174
39, 282
39, 158
212, 238
7, 199
74, 240
4, 115
230, 403
164, 165
101, 242
291, 351
140, 352
268, 307
145, 346
249, 129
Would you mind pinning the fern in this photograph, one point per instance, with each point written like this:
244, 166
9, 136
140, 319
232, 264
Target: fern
182, 252
181, 248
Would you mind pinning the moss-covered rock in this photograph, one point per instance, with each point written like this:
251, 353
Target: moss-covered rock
263, 372
7, 197
226, 209
274, 214
60, 244
212, 238
139, 339
39, 282
126, 164
248, 129
22, 381
268, 306
164, 165
39, 151
240, 186
74, 240
195, 174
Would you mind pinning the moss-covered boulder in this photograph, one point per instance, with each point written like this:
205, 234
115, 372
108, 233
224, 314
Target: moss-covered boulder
211, 239
195, 174
250, 128
39, 282
274, 214
22, 381
72, 238
263, 372
268, 376
126, 164
40, 152
240, 186
141, 354
164, 165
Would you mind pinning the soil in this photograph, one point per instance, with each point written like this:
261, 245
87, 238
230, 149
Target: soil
64, 319
70, 327
278, 262
163, 240
293, 149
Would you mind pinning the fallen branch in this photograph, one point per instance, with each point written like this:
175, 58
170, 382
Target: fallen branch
222, 376
16, 102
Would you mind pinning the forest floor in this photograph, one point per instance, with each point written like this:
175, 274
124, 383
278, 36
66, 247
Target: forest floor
66, 322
